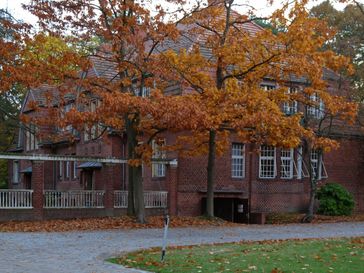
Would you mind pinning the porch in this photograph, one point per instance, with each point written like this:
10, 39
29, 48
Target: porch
95, 196
23, 199
18, 204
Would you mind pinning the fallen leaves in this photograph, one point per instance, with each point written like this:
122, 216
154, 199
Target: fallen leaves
291, 218
123, 222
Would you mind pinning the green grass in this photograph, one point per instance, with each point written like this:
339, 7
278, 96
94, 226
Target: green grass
331, 255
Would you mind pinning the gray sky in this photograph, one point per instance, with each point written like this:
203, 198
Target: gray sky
14, 7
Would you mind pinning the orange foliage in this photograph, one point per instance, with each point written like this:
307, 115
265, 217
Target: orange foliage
219, 72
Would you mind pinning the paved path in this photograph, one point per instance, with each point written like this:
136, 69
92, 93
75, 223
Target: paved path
85, 252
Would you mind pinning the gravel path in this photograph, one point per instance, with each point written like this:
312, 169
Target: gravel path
85, 252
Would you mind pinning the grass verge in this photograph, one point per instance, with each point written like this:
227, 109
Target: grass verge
329, 255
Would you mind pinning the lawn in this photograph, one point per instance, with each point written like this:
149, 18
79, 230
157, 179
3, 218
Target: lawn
329, 255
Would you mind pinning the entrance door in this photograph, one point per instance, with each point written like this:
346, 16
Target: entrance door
28, 181
88, 180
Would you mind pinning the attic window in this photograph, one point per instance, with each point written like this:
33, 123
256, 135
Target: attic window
290, 107
31, 141
267, 87
318, 107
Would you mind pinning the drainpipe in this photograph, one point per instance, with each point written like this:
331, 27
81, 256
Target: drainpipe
250, 180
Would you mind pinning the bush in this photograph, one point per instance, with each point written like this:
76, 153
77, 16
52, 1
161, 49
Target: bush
335, 200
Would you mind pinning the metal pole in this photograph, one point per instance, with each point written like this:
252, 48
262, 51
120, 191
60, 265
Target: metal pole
164, 244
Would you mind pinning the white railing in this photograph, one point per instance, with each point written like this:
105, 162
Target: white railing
16, 199
120, 199
152, 199
73, 199
155, 199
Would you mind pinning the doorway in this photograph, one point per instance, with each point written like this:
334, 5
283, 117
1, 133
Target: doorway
230, 209
88, 180
28, 181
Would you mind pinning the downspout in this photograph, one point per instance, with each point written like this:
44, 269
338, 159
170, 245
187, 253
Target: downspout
250, 181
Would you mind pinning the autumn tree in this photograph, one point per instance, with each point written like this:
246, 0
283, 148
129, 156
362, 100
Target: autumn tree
348, 40
11, 93
227, 58
131, 89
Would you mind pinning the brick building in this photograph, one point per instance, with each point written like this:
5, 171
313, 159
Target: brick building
250, 180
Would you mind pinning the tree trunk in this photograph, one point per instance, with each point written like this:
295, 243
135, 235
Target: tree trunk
314, 177
131, 141
139, 194
135, 179
211, 175
131, 208
310, 215
310, 211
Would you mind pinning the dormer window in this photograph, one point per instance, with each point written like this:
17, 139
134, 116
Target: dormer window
290, 107
31, 141
267, 87
318, 107
144, 92
95, 130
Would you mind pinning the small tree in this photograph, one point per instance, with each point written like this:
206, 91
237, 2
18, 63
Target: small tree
335, 200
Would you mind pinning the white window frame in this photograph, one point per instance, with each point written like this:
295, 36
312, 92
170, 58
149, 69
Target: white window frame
75, 169
86, 134
263, 158
317, 110
94, 104
60, 169
68, 169
300, 166
267, 87
16, 172
237, 160
145, 92
67, 108
290, 107
321, 169
287, 163
158, 169
30, 138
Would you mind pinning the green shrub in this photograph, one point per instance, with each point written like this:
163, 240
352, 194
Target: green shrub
335, 200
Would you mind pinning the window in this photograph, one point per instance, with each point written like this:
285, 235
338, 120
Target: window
86, 136
95, 130
267, 162
237, 160
318, 170
74, 170
145, 92
158, 169
318, 107
290, 108
15, 172
287, 163
267, 87
67, 108
60, 170
31, 141
68, 169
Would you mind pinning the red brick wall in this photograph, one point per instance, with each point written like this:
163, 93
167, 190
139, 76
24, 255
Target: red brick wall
269, 195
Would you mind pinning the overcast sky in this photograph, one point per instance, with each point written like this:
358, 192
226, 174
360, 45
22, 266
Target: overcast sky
14, 7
